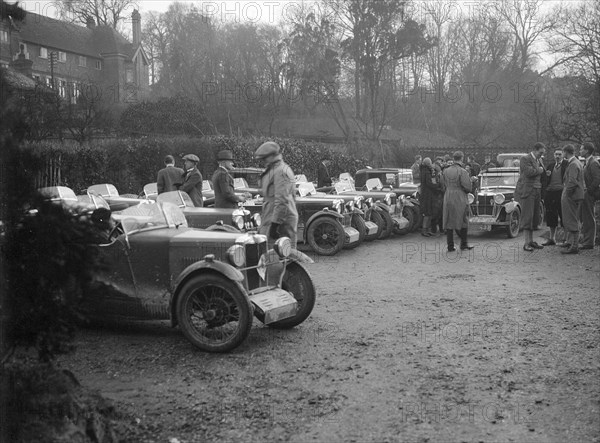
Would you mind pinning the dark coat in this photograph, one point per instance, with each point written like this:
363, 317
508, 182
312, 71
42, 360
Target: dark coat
457, 184
475, 169
167, 178
529, 177
430, 190
193, 186
323, 176
591, 177
224, 191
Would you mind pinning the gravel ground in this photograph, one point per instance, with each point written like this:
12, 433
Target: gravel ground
407, 342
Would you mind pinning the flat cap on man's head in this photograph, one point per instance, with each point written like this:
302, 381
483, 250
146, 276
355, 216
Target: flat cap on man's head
266, 149
191, 157
225, 154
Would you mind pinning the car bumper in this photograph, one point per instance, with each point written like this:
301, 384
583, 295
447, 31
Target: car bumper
486, 221
400, 222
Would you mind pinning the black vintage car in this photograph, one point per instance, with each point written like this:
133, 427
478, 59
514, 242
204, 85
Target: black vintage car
495, 205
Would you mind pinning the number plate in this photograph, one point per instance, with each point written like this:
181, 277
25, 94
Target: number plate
485, 227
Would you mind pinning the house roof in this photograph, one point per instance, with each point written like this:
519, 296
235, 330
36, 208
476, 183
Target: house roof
69, 37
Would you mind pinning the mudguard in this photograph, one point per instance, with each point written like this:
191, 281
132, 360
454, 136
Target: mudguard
223, 228
511, 206
382, 206
321, 214
301, 257
212, 266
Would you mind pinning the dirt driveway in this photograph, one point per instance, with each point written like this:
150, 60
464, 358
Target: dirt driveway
407, 343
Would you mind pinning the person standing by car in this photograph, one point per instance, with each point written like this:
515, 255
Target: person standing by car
192, 183
552, 186
475, 167
571, 198
323, 175
456, 184
169, 176
591, 179
416, 170
528, 192
279, 215
428, 197
488, 163
225, 196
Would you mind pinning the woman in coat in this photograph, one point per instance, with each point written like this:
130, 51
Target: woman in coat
428, 199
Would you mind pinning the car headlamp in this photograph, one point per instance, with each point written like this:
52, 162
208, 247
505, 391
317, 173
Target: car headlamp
238, 221
369, 201
388, 198
358, 201
350, 205
470, 198
236, 255
257, 220
337, 205
283, 247
499, 199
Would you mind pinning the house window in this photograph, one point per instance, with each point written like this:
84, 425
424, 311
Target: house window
98, 64
62, 88
43, 52
62, 57
75, 92
4, 36
48, 82
82, 61
129, 75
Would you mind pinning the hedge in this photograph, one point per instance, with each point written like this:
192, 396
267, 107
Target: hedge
131, 163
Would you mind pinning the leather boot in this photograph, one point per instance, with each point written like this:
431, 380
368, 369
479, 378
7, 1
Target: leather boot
450, 240
463, 240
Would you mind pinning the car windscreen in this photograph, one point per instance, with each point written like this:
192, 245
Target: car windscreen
344, 186
240, 183
305, 189
178, 198
160, 215
374, 184
499, 180
105, 190
206, 185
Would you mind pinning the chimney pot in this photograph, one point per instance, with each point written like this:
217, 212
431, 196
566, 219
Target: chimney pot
136, 24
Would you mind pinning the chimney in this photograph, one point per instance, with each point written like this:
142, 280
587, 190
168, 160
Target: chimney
136, 24
23, 65
90, 23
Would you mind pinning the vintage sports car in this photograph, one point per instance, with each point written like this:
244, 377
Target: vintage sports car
78, 204
495, 205
386, 204
324, 226
210, 284
117, 202
367, 230
398, 181
244, 218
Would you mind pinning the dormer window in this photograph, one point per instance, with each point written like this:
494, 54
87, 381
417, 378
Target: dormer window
4, 36
82, 61
43, 52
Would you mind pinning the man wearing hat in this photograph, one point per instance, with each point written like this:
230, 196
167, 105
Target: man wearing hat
279, 215
225, 196
192, 183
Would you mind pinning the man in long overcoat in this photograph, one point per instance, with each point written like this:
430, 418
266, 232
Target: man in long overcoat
279, 215
225, 196
591, 180
169, 177
457, 184
571, 199
192, 183
428, 198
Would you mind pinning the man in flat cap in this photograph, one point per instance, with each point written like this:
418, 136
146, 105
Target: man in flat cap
192, 183
225, 196
169, 176
279, 215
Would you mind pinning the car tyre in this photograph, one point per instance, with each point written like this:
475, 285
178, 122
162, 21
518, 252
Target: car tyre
376, 218
417, 216
225, 302
359, 224
514, 223
326, 236
388, 225
408, 214
298, 282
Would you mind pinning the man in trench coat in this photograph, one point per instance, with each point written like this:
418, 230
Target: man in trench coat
192, 183
456, 184
591, 179
279, 215
571, 199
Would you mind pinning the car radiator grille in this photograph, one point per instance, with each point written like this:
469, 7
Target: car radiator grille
347, 222
253, 254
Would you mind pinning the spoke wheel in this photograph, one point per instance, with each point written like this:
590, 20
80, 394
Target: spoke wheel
374, 216
214, 313
388, 225
514, 223
297, 281
326, 236
359, 224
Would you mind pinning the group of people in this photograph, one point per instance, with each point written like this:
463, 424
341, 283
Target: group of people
569, 191
279, 215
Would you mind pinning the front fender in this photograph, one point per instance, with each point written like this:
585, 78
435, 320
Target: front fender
202, 266
511, 206
324, 214
301, 257
382, 206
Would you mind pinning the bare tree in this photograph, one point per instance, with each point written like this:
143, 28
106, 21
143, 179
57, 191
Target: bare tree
104, 12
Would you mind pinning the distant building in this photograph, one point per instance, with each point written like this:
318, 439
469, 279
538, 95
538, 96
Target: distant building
76, 59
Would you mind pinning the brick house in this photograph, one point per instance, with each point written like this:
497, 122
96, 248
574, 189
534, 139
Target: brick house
77, 60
